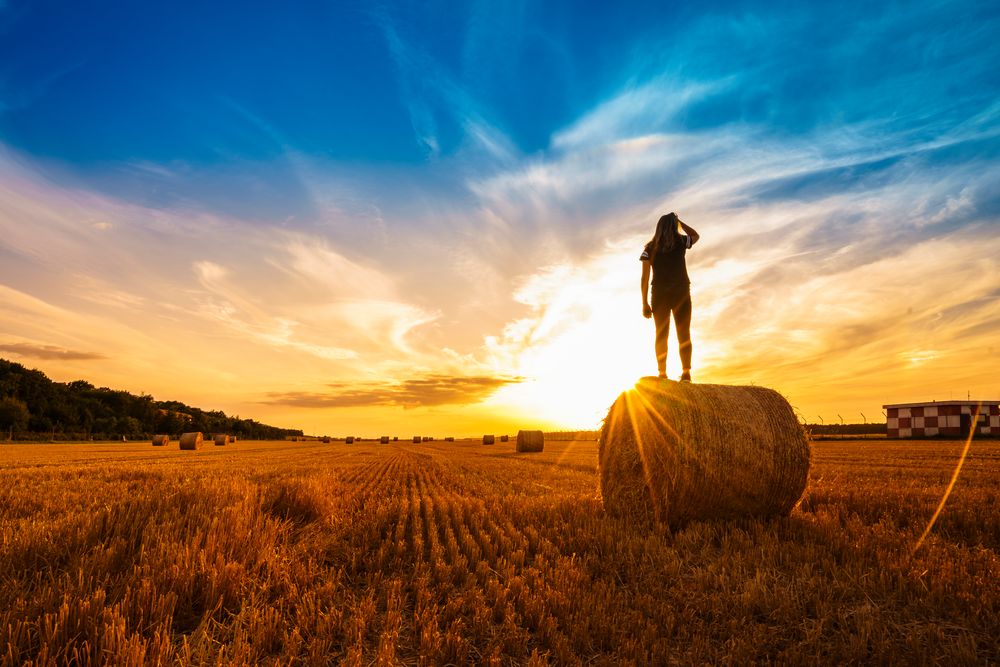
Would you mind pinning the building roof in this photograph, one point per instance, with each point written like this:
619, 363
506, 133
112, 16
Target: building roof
927, 404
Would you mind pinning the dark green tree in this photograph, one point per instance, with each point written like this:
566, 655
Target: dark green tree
14, 415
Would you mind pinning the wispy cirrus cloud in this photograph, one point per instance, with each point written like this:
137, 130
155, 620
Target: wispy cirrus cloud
447, 106
185, 296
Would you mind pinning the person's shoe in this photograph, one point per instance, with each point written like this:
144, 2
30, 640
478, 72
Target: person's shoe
686, 376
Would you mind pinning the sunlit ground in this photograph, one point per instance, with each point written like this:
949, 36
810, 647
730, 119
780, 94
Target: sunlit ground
456, 553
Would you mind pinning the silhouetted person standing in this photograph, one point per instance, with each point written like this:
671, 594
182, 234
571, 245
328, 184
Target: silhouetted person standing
671, 291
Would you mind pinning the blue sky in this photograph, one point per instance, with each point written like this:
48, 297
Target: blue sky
461, 156
96, 87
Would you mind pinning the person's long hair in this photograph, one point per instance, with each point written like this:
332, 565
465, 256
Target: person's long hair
667, 235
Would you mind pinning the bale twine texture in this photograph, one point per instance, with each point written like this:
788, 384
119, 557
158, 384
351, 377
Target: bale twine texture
489, 439
161, 440
673, 452
530, 441
384, 440
221, 439
191, 440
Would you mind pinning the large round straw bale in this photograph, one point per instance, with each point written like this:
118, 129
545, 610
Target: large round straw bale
384, 440
504, 438
530, 441
161, 440
673, 452
221, 439
489, 439
191, 440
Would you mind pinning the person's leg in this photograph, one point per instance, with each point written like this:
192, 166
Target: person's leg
661, 317
682, 318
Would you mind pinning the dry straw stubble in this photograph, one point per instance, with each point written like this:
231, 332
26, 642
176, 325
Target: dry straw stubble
530, 441
191, 440
675, 452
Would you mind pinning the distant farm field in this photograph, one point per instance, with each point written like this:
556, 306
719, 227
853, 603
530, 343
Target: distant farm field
459, 553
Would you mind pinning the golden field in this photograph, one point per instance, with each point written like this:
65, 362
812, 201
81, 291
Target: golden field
456, 553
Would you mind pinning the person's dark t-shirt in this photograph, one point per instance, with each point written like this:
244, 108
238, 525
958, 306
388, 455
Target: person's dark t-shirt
670, 276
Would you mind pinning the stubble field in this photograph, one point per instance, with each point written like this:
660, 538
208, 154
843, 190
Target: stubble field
458, 553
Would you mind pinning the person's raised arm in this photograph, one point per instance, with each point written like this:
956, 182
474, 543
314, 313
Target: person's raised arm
690, 232
647, 312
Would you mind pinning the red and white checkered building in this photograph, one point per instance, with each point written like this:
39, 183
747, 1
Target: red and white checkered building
948, 419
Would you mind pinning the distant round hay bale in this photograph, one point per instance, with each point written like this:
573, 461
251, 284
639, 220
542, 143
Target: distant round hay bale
416, 438
161, 440
673, 452
504, 438
221, 439
232, 438
449, 439
530, 441
384, 440
349, 440
395, 438
191, 440
489, 439
326, 440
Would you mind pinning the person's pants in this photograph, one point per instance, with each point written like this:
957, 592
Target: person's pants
680, 306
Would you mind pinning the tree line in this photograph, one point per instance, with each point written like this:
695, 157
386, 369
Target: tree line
33, 407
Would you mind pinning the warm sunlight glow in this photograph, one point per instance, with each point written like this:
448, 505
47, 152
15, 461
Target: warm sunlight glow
589, 343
